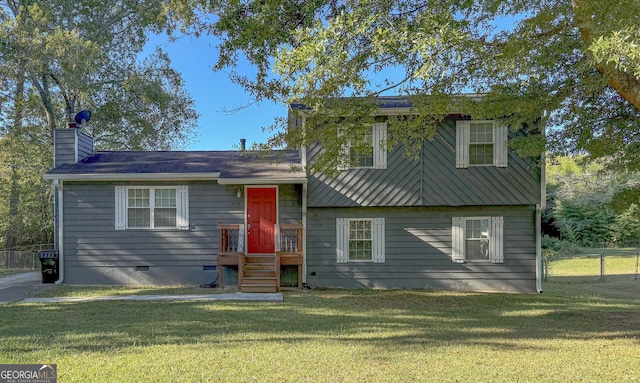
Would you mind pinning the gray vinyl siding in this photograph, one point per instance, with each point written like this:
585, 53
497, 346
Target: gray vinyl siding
431, 180
64, 147
96, 253
418, 251
85, 145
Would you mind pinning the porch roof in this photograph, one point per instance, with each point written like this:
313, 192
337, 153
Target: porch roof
224, 166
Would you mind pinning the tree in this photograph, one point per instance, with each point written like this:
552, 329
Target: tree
60, 56
78, 54
572, 67
585, 202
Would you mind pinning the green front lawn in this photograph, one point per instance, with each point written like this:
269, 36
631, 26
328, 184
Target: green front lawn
333, 336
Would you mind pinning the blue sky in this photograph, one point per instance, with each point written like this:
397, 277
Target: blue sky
214, 93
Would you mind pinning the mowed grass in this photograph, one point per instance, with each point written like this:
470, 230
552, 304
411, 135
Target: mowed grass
332, 336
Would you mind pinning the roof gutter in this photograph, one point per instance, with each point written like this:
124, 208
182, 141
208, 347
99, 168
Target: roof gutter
261, 181
134, 176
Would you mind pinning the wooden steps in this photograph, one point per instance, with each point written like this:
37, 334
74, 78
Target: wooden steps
259, 274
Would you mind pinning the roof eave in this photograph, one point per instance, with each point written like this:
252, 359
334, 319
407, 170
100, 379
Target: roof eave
262, 181
133, 176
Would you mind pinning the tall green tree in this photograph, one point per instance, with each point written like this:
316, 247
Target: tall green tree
572, 67
60, 56
84, 54
585, 202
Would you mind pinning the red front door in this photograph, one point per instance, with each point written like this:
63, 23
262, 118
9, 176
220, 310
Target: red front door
261, 220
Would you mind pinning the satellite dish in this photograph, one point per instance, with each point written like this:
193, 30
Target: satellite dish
82, 117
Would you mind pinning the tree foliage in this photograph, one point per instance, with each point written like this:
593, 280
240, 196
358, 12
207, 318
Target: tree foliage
572, 67
592, 205
60, 56
83, 54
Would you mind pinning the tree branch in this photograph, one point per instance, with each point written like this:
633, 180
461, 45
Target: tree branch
625, 84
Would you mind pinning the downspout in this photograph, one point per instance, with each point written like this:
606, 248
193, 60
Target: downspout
304, 233
539, 208
59, 185
303, 151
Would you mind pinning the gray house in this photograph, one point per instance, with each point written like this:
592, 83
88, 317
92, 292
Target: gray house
463, 216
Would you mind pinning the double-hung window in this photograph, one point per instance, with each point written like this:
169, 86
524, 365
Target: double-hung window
362, 158
369, 151
481, 143
152, 207
360, 240
477, 239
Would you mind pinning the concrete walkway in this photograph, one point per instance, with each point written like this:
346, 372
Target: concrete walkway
19, 287
16, 287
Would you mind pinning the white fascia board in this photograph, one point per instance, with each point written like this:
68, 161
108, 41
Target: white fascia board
261, 181
134, 176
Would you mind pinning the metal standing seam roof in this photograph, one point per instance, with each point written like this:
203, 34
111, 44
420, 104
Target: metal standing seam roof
229, 166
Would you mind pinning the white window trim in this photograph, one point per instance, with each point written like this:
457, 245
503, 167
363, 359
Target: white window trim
379, 142
500, 144
122, 207
496, 239
377, 240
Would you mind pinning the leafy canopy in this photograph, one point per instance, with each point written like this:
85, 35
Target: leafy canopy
60, 56
571, 67
84, 54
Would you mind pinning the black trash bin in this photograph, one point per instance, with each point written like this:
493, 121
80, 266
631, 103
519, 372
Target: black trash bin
49, 263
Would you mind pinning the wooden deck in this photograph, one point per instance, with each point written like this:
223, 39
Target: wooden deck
259, 272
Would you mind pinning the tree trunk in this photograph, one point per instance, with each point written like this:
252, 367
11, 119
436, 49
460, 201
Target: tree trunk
11, 238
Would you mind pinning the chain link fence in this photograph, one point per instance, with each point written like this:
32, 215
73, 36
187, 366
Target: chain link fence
601, 267
22, 258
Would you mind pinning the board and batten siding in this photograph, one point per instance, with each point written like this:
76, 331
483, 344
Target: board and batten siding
418, 245
96, 253
432, 180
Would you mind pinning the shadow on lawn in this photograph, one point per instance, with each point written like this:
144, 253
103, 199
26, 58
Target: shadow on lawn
391, 319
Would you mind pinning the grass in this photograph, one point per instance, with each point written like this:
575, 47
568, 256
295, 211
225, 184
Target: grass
576, 334
618, 264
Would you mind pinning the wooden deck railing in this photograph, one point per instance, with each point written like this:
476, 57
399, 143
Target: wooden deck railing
231, 248
290, 236
230, 239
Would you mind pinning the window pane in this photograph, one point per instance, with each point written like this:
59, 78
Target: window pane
138, 197
477, 250
138, 217
481, 154
164, 217
477, 228
165, 197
